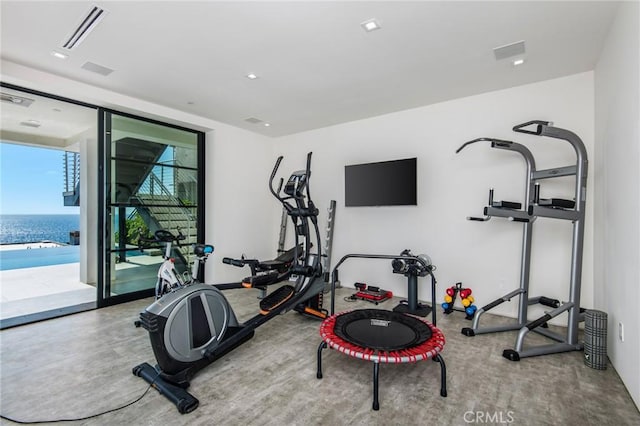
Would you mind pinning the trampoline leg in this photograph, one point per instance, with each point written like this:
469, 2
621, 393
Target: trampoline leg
443, 375
376, 372
320, 348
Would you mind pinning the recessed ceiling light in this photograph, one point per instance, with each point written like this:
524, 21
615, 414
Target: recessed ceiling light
517, 62
252, 76
370, 25
267, 124
59, 55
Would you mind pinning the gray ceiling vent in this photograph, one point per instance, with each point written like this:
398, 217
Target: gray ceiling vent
31, 123
88, 24
90, 66
16, 100
253, 120
509, 50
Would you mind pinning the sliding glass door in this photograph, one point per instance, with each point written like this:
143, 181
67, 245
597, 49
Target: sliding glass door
152, 178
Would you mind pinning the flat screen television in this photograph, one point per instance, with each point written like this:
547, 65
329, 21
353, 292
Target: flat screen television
386, 183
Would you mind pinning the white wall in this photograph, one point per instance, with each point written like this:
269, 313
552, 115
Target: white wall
241, 213
483, 256
88, 207
617, 224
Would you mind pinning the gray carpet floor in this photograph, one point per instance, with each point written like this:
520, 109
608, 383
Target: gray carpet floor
81, 364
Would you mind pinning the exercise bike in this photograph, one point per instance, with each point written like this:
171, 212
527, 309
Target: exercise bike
193, 325
169, 279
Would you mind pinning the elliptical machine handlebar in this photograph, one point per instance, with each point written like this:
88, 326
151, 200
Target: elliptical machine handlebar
295, 188
307, 176
273, 175
297, 202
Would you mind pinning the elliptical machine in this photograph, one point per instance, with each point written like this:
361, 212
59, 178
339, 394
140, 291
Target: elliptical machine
194, 325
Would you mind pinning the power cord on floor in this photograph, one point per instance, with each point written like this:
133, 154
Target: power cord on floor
23, 422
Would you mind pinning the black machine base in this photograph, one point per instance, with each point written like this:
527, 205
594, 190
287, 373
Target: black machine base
183, 400
420, 309
511, 355
469, 332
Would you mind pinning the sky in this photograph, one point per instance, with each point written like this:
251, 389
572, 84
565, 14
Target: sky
32, 181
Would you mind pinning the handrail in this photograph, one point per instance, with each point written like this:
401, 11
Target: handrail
492, 140
71, 165
546, 128
153, 186
522, 150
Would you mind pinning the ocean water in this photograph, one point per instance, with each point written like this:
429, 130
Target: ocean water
37, 227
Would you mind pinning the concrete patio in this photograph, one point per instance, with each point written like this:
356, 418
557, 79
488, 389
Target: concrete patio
28, 291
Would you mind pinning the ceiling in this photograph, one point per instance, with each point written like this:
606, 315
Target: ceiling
316, 65
41, 121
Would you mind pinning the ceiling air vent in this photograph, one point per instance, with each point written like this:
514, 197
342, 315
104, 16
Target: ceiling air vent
88, 24
31, 123
253, 120
509, 50
16, 100
90, 66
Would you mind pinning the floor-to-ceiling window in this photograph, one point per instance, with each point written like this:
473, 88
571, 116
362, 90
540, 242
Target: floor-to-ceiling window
152, 180
46, 266
127, 174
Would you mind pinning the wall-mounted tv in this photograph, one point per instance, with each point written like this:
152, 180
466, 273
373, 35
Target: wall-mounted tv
386, 183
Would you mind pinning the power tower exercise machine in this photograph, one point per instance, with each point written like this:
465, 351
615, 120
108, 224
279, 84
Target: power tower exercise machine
534, 207
194, 325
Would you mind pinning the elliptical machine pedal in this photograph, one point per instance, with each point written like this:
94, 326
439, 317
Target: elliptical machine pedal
275, 299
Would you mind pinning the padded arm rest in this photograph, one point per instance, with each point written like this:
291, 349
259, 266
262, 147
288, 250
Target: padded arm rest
263, 280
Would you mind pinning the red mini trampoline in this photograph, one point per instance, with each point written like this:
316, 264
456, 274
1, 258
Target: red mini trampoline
382, 336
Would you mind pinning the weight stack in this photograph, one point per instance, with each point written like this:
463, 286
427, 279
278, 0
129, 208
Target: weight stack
595, 339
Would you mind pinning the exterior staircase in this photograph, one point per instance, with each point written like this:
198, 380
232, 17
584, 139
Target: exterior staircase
161, 209
162, 194
71, 168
